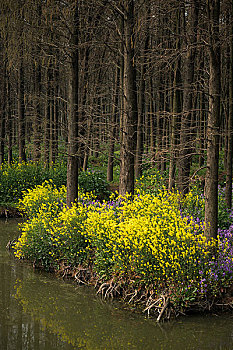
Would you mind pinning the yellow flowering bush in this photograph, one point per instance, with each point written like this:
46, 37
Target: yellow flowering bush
151, 241
45, 197
49, 240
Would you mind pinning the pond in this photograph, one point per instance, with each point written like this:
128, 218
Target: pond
41, 312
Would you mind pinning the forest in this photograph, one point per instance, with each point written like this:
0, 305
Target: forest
141, 89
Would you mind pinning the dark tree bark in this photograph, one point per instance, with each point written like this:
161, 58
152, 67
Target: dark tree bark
46, 116
176, 108
126, 183
213, 127
87, 144
37, 114
51, 114
141, 110
113, 127
3, 114
9, 122
21, 113
84, 124
73, 112
185, 134
228, 192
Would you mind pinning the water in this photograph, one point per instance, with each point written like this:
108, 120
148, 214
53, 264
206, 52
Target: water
41, 312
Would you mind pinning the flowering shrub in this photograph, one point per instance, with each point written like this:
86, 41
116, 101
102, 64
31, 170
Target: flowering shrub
148, 239
49, 240
193, 203
44, 198
151, 241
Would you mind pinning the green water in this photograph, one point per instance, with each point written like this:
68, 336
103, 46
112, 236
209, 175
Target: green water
40, 312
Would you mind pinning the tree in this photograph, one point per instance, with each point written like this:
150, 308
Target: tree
230, 122
213, 127
73, 113
130, 112
189, 64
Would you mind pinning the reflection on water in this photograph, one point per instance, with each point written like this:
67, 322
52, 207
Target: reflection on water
39, 312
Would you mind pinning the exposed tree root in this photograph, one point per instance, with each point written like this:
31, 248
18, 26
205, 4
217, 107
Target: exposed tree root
159, 305
110, 289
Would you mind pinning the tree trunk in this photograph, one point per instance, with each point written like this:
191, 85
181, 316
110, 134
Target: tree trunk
113, 127
72, 161
141, 112
3, 114
185, 134
176, 109
46, 117
228, 192
9, 123
37, 115
87, 144
126, 183
21, 113
213, 127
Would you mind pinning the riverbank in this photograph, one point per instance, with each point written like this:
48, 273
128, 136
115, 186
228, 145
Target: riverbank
147, 300
149, 251
137, 298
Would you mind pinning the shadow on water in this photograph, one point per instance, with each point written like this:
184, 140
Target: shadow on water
40, 312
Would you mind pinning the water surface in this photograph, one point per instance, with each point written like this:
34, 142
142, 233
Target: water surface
41, 312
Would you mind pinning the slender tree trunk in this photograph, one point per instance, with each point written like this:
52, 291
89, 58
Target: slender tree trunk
51, 114
72, 161
87, 143
37, 116
176, 109
152, 125
141, 112
84, 145
56, 117
3, 115
46, 117
202, 120
213, 127
159, 122
21, 113
9, 123
126, 183
113, 127
185, 134
228, 192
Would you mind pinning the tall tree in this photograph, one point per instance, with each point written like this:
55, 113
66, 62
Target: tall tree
2, 106
141, 98
189, 61
21, 111
130, 112
230, 122
113, 121
213, 127
176, 104
73, 113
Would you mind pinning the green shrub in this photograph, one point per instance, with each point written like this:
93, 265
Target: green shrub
94, 182
17, 178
